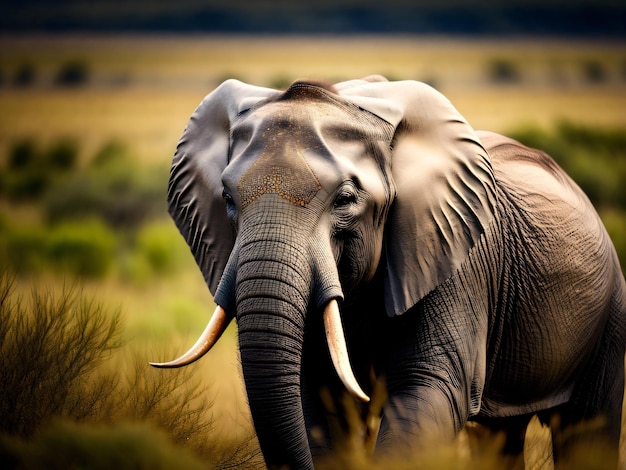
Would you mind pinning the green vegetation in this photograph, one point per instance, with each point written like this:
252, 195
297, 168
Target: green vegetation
87, 217
596, 159
503, 71
82, 249
72, 74
67, 445
30, 171
49, 350
74, 394
115, 189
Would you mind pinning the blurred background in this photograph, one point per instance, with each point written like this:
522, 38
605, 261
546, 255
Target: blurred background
96, 281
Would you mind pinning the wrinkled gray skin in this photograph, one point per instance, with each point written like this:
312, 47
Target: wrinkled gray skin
473, 276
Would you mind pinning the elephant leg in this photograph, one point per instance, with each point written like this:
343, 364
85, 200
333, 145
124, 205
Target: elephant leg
589, 425
503, 435
433, 369
335, 422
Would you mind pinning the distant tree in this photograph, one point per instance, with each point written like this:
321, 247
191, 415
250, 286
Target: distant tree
63, 154
23, 153
503, 71
594, 72
73, 73
25, 75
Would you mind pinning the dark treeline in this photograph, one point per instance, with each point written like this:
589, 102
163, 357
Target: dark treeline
595, 18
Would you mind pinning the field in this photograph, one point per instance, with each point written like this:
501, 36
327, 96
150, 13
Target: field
136, 95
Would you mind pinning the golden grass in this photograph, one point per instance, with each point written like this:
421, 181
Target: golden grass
143, 89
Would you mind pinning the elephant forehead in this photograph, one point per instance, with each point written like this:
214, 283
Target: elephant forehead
282, 139
284, 172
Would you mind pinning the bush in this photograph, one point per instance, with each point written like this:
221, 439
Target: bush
72, 74
68, 445
30, 171
24, 250
280, 82
594, 157
594, 72
157, 249
48, 349
615, 223
60, 356
160, 245
85, 249
122, 194
25, 185
503, 71
63, 155
25, 75
23, 154
111, 153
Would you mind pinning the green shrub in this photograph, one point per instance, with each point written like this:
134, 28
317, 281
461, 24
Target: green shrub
48, 348
73, 73
23, 153
25, 185
119, 192
157, 249
24, 250
30, 171
85, 249
594, 157
25, 75
68, 445
61, 359
160, 245
62, 155
280, 82
503, 71
615, 223
606, 140
113, 152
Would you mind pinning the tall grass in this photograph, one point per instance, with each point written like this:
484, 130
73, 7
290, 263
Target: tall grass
66, 371
123, 446
49, 349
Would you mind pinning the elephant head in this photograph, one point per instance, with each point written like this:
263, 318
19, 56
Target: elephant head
293, 201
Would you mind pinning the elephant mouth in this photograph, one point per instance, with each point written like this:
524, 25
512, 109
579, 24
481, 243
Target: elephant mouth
334, 337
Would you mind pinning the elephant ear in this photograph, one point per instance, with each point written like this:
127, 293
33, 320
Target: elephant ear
445, 189
194, 194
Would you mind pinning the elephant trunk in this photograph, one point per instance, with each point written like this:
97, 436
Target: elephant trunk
273, 289
277, 274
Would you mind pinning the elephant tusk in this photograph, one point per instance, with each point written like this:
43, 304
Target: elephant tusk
218, 323
339, 351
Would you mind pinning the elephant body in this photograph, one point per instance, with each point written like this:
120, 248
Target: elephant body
546, 331
574, 310
474, 278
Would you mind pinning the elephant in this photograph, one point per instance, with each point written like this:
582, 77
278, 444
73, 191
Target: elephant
363, 233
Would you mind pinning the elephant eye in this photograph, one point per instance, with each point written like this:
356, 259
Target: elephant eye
230, 204
344, 198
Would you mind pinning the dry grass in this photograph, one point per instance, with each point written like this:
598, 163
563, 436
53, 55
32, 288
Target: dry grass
143, 89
